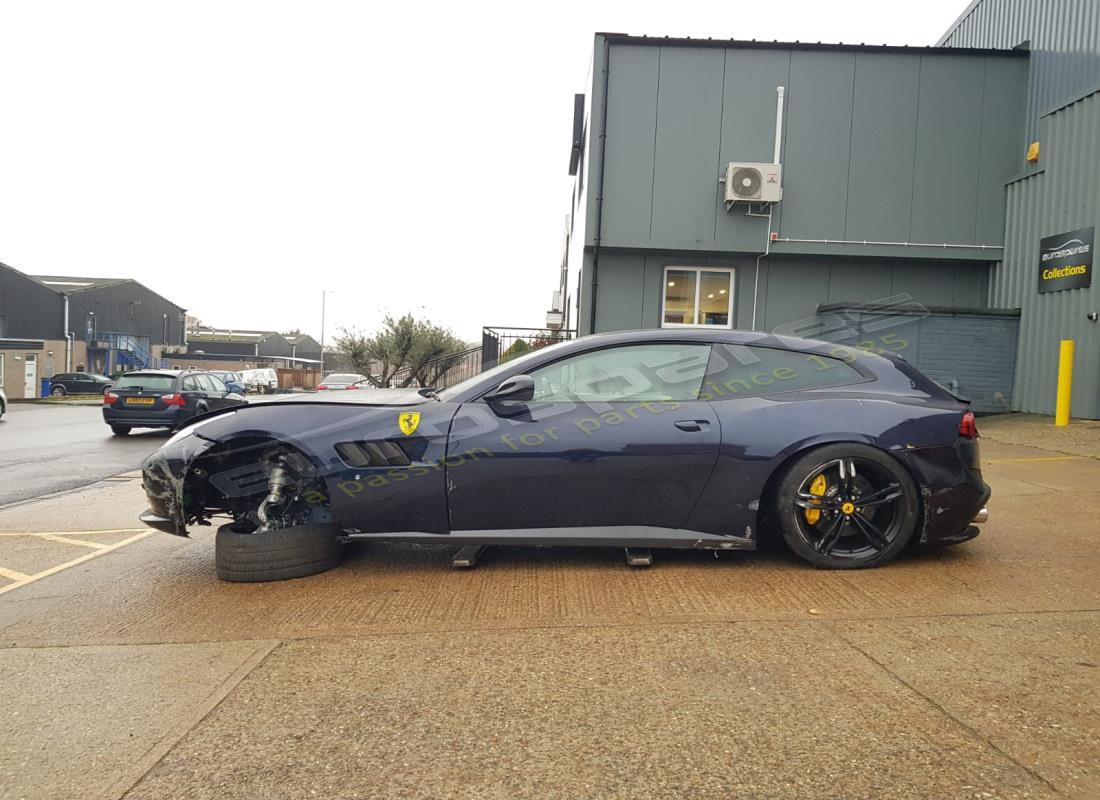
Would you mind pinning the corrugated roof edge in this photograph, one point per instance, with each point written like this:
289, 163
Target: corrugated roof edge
959, 21
755, 44
105, 283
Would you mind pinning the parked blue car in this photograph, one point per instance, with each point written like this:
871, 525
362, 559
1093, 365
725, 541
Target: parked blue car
233, 381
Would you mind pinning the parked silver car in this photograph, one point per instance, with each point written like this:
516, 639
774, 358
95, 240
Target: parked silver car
343, 380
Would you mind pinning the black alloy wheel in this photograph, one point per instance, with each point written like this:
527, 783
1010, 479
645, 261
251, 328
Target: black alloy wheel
847, 506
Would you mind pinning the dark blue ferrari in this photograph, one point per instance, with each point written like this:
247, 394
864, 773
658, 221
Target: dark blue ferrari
642, 439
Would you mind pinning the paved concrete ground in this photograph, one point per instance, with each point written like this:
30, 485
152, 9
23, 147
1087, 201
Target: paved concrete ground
127, 669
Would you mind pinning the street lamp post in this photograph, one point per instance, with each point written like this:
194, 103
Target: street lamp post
324, 294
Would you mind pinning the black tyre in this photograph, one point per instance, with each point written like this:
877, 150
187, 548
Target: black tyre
120, 430
847, 506
277, 555
57, 391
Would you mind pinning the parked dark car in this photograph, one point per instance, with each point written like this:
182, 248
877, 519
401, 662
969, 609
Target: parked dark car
163, 399
670, 438
79, 383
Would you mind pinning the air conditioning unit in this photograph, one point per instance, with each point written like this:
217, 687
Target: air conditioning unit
753, 183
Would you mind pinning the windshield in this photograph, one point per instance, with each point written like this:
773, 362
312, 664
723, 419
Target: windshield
344, 378
499, 369
154, 383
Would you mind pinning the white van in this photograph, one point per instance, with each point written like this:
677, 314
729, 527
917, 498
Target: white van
263, 380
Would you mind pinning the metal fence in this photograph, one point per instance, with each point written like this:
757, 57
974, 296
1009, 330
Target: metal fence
499, 345
441, 373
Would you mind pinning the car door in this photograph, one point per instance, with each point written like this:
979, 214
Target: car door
216, 393
614, 436
194, 393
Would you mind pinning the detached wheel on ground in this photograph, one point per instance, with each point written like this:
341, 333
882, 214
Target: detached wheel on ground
120, 430
275, 555
847, 506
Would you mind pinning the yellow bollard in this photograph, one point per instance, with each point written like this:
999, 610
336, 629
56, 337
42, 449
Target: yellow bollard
1065, 383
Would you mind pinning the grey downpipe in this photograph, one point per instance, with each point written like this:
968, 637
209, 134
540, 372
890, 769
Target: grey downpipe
599, 185
68, 336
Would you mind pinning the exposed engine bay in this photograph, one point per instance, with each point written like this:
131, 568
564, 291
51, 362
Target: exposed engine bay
263, 485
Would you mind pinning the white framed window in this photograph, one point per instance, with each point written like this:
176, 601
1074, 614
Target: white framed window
697, 297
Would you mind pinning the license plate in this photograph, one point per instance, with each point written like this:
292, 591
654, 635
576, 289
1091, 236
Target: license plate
140, 401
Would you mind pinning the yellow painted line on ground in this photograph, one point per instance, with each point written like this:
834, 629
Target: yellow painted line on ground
11, 574
74, 533
64, 540
74, 562
1033, 458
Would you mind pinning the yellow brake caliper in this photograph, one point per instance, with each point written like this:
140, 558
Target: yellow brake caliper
817, 487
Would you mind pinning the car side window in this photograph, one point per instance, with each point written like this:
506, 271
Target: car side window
630, 373
215, 384
737, 371
191, 384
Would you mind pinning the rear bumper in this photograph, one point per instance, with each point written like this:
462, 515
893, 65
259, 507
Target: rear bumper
144, 418
953, 492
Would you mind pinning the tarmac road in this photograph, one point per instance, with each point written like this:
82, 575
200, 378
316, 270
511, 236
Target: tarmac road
49, 448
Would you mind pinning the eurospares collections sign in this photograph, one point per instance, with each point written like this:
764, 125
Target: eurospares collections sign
1065, 260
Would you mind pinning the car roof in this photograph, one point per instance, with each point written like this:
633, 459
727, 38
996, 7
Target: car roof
164, 373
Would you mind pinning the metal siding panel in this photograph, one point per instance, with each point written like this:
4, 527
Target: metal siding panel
880, 181
859, 281
631, 127
970, 287
30, 310
949, 131
818, 140
1064, 197
748, 133
685, 155
795, 290
1064, 42
931, 284
619, 297
1002, 147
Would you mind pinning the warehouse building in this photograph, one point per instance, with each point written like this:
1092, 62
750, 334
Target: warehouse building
880, 197
51, 324
236, 349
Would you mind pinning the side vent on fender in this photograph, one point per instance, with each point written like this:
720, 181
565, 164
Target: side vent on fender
383, 453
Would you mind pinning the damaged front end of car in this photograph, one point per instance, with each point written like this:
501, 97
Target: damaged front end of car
261, 484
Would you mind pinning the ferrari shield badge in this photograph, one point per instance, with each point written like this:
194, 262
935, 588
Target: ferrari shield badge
408, 422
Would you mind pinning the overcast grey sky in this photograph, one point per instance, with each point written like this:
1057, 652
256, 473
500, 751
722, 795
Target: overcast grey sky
241, 157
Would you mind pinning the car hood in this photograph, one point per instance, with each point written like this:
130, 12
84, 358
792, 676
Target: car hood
359, 397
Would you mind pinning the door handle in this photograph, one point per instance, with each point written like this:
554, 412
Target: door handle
691, 425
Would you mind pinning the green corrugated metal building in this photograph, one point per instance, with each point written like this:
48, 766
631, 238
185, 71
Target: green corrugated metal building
908, 218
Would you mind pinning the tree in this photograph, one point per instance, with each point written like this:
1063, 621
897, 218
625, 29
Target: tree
354, 347
404, 349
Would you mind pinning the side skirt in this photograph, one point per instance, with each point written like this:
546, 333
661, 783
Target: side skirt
602, 536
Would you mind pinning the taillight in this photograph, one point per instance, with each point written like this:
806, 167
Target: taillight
322, 386
109, 398
353, 386
968, 428
173, 400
